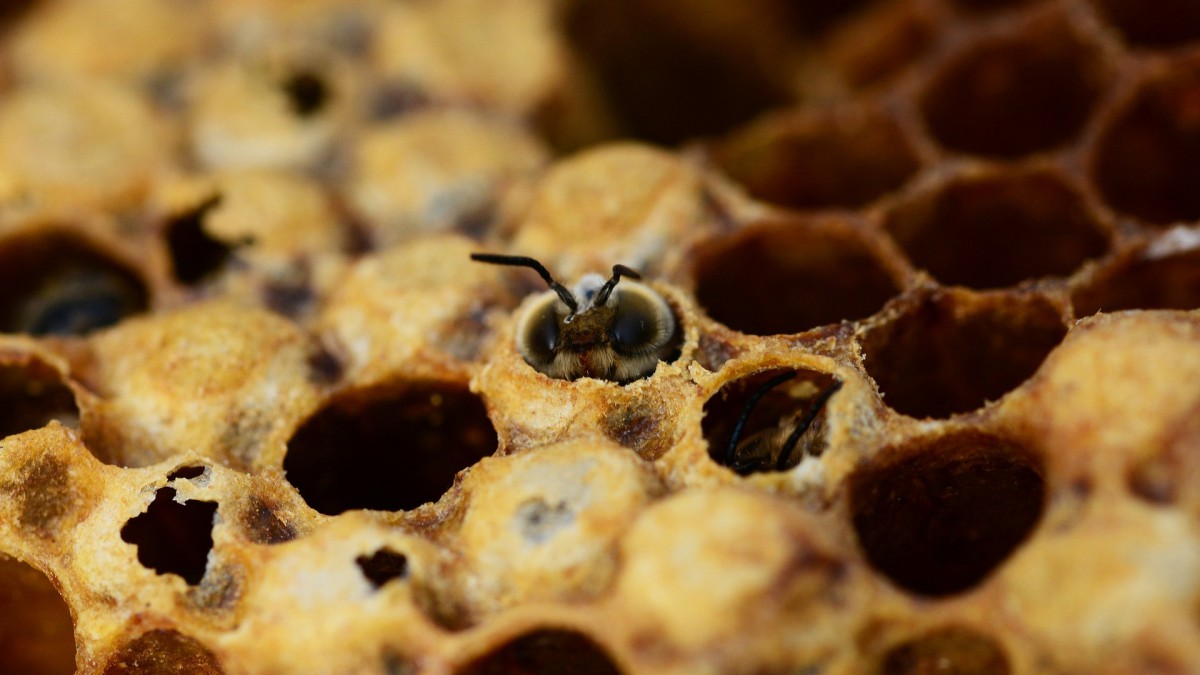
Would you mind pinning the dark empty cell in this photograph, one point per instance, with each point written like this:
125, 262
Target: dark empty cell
56, 284
194, 253
163, 652
307, 93
998, 231
1139, 282
881, 43
950, 651
32, 394
382, 566
941, 357
847, 159
750, 420
186, 473
1017, 96
545, 652
664, 84
791, 277
388, 450
988, 5
945, 516
1146, 161
1164, 23
812, 17
173, 538
36, 633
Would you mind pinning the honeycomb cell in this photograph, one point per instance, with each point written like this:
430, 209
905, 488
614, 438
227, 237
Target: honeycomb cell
1145, 162
1143, 281
57, 284
388, 450
988, 5
763, 410
1017, 95
667, 81
37, 636
173, 538
543, 652
791, 275
195, 254
32, 394
948, 651
950, 353
997, 230
1168, 24
163, 652
846, 157
944, 515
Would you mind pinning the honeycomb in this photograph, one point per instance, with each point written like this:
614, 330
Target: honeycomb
261, 413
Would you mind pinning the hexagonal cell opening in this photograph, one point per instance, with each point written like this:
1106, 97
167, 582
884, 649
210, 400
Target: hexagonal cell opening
388, 449
880, 42
949, 353
32, 394
1015, 96
173, 538
791, 276
1138, 281
163, 652
951, 651
545, 651
1146, 161
1172, 22
769, 420
57, 284
37, 635
998, 230
665, 83
941, 518
842, 158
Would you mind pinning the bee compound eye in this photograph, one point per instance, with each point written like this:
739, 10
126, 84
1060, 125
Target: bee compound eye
540, 334
637, 324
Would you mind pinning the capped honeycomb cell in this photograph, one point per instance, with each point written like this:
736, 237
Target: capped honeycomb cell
998, 229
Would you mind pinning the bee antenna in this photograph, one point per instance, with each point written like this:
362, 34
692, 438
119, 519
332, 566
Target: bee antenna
523, 261
790, 445
605, 290
746, 410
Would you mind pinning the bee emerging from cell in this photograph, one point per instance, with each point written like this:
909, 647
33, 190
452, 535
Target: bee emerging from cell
616, 329
796, 432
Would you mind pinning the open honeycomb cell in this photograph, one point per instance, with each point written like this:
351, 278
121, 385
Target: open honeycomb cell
927, 275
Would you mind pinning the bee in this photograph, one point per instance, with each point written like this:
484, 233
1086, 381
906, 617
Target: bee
773, 448
600, 329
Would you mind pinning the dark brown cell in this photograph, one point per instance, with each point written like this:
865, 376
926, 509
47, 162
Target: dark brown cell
791, 276
55, 283
37, 636
998, 230
1146, 159
949, 651
382, 566
747, 423
989, 5
163, 652
32, 394
195, 254
545, 652
388, 449
940, 518
845, 158
1141, 281
950, 353
1014, 96
1165, 23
